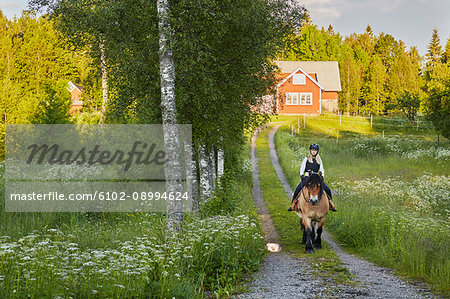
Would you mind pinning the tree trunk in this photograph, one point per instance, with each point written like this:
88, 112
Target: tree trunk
172, 169
104, 80
191, 177
206, 182
220, 162
212, 164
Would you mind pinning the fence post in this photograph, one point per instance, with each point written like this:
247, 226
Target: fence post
304, 120
371, 120
383, 133
340, 120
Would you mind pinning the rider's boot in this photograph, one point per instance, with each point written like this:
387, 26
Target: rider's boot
292, 207
332, 207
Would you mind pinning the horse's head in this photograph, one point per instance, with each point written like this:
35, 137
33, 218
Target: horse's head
315, 187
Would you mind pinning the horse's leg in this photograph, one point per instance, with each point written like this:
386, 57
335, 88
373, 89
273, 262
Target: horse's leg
318, 240
304, 232
309, 235
313, 231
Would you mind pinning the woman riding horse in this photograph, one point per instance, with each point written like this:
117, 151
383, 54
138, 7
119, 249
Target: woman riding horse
312, 164
312, 209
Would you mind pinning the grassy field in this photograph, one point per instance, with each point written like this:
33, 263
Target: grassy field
127, 254
393, 192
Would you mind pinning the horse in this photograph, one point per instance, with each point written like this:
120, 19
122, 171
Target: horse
312, 208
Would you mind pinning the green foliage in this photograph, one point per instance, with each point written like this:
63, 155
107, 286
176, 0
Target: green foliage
54, 108
313, 44
434, 49
222, 51
90, 118
374, 88
437, 100
33, 55
227, 193
409, 104
446, 54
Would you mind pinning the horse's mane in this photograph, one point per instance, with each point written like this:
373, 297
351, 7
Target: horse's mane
314, 180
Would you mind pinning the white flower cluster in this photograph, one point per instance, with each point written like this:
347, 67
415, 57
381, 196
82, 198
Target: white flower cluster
129, 265
409, 147
426, 193
247, 166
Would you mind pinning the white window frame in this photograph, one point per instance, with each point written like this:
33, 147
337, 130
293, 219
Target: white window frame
299, 79
294, 96
300, 102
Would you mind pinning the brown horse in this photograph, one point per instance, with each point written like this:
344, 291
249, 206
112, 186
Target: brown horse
312, 208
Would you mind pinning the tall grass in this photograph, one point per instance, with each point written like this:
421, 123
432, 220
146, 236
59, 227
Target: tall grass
128, 255
393, 205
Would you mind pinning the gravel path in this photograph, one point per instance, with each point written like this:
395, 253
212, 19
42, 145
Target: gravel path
282, 276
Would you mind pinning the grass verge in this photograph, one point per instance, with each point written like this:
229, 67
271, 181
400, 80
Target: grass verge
128, 254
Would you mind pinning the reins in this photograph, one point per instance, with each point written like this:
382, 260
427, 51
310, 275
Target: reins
309, 193
304, 197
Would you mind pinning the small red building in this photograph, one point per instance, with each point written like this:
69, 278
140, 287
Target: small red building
75, 93
307, 87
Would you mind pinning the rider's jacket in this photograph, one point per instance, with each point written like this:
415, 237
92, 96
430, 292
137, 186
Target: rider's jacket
308, 166
314, 166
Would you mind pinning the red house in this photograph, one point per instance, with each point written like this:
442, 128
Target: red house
75, 93
307, 87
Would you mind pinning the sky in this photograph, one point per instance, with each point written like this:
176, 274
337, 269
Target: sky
411, 21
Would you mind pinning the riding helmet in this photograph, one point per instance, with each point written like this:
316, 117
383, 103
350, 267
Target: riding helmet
314, 146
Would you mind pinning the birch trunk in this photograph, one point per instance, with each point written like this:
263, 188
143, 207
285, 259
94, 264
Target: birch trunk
191, 177
104, 80
172, 169
212, 164
206, 183
220, 162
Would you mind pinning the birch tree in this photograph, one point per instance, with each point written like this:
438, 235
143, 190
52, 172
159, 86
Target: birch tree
104, 79
191, 177
172, 168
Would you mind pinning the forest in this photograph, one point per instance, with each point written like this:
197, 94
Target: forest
39, 55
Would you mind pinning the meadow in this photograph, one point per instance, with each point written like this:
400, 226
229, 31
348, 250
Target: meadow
392, 190
129, 254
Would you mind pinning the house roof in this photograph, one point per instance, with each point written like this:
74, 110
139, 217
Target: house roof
305, 73
327, 71
74, 85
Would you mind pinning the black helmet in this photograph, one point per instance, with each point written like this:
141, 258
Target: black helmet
314, 146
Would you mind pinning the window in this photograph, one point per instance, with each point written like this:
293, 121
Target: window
299, 79
291, 98
306, 98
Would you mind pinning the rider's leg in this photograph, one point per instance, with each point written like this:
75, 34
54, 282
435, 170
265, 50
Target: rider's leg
330, 201
296, 192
